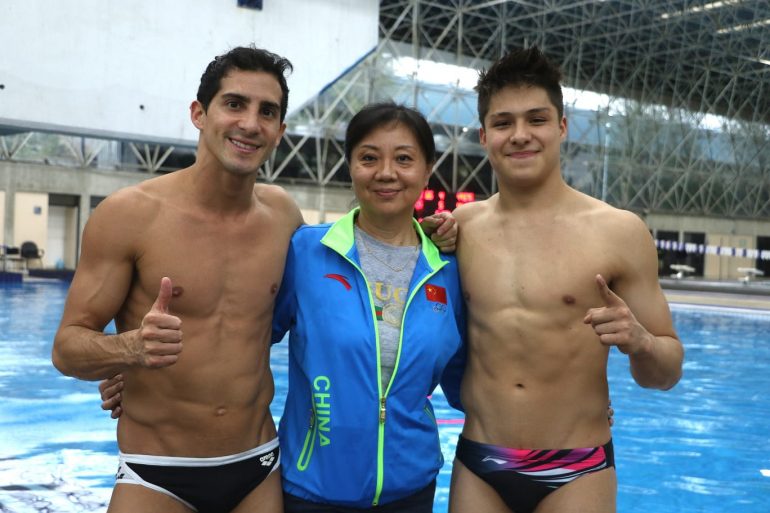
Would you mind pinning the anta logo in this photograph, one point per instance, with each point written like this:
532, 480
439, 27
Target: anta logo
340, 279
323, 409
267, 459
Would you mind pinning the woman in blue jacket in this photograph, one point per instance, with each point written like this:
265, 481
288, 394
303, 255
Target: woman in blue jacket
375, 320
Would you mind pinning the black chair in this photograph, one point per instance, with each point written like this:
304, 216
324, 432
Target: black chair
10, 257
30, 251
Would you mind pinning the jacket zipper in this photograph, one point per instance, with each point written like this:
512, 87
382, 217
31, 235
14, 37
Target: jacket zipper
382, 407
383, 397
307, 447
432, 417
382, 412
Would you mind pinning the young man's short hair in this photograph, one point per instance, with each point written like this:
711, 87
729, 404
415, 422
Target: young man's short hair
520, 67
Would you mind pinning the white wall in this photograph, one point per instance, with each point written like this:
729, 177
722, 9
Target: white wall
2, 218
684, 223
85, 66
30, 215
62, 237
733, 233
720, 267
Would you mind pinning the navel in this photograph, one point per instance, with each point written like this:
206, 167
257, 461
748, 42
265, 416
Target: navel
220, 411
177, 291
274, 288
467, 296
568, 300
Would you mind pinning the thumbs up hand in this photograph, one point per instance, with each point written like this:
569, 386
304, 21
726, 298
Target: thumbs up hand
159, 337
614, 322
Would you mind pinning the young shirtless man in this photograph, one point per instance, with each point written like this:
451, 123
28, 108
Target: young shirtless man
200, 251
552, 279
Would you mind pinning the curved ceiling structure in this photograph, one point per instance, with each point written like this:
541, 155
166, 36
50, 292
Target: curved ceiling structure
707, 56
669, 109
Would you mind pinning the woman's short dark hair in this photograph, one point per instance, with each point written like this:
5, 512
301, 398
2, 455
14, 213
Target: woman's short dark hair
376, 115
244, 58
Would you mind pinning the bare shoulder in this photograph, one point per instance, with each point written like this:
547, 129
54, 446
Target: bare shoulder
472, 211
615, 221
118, 223
279, 202
130, 205
622, 235
272, 194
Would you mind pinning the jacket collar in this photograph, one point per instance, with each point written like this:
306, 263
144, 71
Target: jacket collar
341, 238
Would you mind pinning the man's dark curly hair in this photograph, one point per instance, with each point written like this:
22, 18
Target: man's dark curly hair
244, 58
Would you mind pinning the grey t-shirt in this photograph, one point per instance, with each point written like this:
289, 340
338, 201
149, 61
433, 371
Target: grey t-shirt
388, 269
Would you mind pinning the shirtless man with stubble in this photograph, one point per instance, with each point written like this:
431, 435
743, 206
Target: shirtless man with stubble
553, 279
200, 251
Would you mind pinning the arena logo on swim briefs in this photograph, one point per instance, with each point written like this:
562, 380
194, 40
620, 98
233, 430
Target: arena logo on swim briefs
267, 459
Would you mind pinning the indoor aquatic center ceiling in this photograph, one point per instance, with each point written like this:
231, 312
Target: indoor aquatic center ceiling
668, 101
708, 56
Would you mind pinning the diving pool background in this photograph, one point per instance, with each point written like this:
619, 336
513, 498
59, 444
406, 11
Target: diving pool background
701, 447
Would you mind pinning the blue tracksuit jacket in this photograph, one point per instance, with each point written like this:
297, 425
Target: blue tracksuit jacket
345, 440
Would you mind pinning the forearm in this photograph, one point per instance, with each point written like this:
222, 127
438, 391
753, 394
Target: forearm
91, 355
659, 363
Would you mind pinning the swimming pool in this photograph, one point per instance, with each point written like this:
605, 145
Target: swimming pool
702, 447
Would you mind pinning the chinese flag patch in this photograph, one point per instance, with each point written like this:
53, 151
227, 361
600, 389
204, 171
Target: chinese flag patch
435, 293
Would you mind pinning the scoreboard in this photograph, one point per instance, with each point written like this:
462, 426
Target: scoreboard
432, 201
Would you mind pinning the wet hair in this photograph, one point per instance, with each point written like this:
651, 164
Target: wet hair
376, 115
244, 58
520, 67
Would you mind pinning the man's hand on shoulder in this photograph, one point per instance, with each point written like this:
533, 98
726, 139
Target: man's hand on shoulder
442, 229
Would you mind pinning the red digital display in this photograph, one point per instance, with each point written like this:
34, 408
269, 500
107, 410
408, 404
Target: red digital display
431, 202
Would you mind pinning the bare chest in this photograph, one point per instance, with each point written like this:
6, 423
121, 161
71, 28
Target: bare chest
214, 267
549, 269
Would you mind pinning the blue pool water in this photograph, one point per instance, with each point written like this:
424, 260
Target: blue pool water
702, 447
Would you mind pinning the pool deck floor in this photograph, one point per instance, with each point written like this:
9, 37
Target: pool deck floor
716, 299
724, 299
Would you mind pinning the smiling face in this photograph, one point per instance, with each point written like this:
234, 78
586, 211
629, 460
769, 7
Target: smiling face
242, 125
522, 134
389, 171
